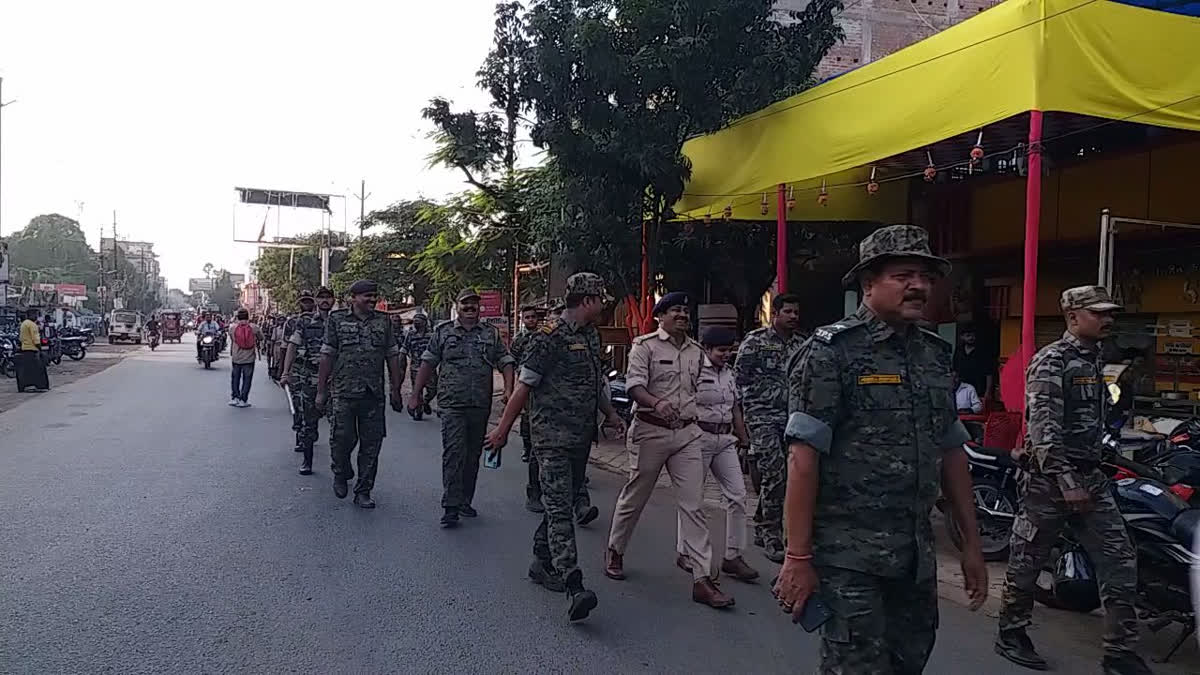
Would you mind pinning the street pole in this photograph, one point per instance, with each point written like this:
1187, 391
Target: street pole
362, 206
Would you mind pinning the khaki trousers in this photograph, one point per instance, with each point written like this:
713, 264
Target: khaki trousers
651, 448
719, 456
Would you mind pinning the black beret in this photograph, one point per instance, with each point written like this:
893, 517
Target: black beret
717, 336
670, 300
363, 286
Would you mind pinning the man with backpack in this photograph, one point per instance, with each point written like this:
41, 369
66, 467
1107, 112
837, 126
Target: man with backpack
243, 346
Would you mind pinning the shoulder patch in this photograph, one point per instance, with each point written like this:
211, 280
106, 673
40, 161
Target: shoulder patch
642, 338
546, 329
828, 334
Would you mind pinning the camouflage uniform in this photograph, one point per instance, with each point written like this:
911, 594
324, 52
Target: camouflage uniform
308, 334
519, 350
876, 403
413, 345
1064, 415
360, 348
465, 359
562, 369
761, 369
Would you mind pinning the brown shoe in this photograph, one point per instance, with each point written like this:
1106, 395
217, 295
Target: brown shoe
738, 569
682, 562
614, 565
706, 592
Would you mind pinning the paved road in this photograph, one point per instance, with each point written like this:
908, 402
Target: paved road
148, 527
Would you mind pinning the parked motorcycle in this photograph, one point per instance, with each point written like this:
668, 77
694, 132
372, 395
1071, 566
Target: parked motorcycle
52, 349
75, 347
620, 398
8, 349
1162, 528
208, 351
89, 337
994, 477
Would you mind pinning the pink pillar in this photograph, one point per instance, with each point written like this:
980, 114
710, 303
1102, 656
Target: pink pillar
1033, 213
781, 239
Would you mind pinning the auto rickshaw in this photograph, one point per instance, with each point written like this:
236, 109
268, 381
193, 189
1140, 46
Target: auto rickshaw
170, 325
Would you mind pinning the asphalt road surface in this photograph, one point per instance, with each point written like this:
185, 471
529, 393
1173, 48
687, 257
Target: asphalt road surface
147, 527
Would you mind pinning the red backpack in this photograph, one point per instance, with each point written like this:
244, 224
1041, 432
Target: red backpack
243, 336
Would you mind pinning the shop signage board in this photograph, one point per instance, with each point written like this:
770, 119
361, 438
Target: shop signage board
491, 304
71, 289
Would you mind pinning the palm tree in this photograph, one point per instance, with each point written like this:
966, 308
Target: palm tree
208, 270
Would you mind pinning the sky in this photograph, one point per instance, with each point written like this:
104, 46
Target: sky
157, 110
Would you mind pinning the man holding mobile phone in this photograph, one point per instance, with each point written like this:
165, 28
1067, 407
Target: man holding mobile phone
872, 427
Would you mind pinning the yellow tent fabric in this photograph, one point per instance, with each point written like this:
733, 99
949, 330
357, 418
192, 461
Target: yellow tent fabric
1091, 57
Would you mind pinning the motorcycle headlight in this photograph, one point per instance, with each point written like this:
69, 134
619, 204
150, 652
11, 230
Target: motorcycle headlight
208, 340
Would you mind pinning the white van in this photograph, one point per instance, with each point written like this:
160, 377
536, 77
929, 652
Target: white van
124, 325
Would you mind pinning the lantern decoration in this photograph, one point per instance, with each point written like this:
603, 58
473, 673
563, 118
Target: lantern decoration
823, 196
727, 212
872, 186
931, 170
763, 205
791, 198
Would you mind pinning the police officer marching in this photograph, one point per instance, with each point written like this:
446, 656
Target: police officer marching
561, 380
299, 376
465, 351
1064, 417
280, 367
872, 427
762, 361
358, 342
412, 346
531, 319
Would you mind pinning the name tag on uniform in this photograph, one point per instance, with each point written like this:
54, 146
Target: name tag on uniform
707, 381
1083, 380
666, 362
772, 347
577, 348
879, 379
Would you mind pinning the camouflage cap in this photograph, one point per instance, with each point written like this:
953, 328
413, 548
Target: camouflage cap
324, 292
1095, 298
306, 294
586, 283
894, 241
467, 293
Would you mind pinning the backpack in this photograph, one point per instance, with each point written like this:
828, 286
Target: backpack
243, 336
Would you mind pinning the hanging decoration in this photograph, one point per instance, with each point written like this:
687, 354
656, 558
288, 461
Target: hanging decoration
872, 186
727, 213
976, 153
763, 205
823, 196
791, 198
931, 170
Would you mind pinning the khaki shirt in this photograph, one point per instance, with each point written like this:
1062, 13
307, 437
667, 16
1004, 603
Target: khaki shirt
666, 371
716, 393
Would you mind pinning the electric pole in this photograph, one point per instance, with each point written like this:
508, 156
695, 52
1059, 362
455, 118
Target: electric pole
362, 206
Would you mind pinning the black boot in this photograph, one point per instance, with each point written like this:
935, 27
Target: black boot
586, 514
1014, 644
306, 465
341, 487
450, 518
363, 500
534, 503
583, 601
543, 574
1125, 663
773, 550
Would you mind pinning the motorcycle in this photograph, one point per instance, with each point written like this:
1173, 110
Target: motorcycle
75, 347
994, 476
153, 341
52, 350
620, 398
89, 337
208, 351
1162, 527
8, 349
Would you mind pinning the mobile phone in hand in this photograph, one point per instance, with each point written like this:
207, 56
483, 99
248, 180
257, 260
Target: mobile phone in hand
815, 613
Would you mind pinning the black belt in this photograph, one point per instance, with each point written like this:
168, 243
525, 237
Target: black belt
718, 428
655, 420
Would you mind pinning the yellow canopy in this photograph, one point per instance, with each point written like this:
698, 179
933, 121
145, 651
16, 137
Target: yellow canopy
1091, 57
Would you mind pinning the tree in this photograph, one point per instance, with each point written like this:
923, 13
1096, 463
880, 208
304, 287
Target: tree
390, 258
52, 249
618, 86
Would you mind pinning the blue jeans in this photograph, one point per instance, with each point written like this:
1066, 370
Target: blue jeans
240, 378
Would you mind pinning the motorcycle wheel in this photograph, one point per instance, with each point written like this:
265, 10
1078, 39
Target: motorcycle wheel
8, 368
207, 365
993, 532
57, 360
78, 356
112, 341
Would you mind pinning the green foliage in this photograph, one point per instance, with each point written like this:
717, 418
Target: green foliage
288, 271
618, 86
52, 249
390, 258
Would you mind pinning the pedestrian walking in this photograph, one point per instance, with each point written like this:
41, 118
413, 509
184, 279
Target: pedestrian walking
301, 364
559, 390
308, 305
1064, 418
719, 416
358, 342
464, 351
243, 352
412, 347
762, 361
871, 429
31, 370
661, 378
531, 320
